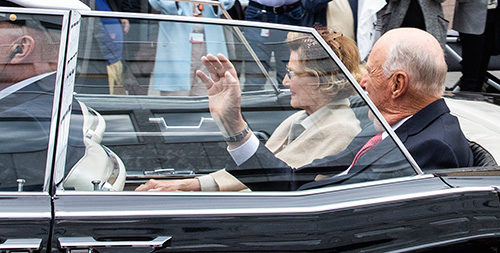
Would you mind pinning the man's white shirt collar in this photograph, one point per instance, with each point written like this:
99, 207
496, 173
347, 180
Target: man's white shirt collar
396, 126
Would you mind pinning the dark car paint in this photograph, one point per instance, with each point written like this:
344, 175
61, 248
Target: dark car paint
25, 216
391, 216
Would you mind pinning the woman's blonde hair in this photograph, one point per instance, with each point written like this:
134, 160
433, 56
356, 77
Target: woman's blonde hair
316, 61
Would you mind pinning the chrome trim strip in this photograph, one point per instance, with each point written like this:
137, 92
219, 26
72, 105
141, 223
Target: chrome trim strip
253, 194
34, 11
55, 129
447, 242
25, 215
264, 210
40, 194
90, 242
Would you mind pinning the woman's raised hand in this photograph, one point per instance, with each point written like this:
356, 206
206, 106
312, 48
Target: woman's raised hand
224, 93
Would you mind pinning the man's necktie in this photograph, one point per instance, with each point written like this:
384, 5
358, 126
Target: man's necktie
369, 145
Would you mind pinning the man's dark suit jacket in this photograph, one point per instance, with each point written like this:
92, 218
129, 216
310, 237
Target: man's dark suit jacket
432, 136
25, 117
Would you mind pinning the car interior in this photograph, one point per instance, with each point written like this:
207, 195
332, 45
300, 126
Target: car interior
142, 133
170, 136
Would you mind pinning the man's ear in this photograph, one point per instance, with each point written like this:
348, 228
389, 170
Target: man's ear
23, 47
400, 83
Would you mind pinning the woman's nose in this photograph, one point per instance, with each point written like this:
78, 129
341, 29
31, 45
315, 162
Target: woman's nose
286, 81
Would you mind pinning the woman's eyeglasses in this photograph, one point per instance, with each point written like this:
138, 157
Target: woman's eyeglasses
291, 74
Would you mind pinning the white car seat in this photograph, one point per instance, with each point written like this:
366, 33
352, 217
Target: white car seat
479, 122
99, 168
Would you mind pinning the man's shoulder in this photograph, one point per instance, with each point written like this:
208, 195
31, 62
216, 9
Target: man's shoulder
434, 121
426, 117
440, 139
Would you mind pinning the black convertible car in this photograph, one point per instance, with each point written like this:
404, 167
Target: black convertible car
73, 152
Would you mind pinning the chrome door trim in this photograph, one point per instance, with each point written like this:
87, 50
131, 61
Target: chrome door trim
266, 210
253, 194
23, 215
30, 215
448, 242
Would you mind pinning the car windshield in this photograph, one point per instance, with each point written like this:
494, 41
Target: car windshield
155, 111
139, 111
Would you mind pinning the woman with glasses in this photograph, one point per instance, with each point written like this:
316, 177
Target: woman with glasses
325, 125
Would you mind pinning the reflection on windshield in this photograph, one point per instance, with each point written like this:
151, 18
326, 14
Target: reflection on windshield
316, 113
27, 82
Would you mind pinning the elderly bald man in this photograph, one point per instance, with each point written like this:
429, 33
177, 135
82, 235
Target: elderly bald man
405, 78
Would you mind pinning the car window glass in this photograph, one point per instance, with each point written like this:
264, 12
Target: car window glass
146, 114
28, 63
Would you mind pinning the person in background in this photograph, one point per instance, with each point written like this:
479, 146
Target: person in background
478, 23
237, 12
423, 14
173, 74
314, 12
110, 35
368, 24
288, 12
324, 127
133, 33
111, 46
339, 15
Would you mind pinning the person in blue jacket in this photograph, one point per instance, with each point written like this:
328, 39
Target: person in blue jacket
173, 73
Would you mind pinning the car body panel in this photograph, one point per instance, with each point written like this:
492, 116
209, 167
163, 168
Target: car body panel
25, 217
373, 218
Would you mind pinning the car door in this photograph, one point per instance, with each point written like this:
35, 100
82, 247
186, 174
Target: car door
167, 137
28, 118
150, 135
25, 220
